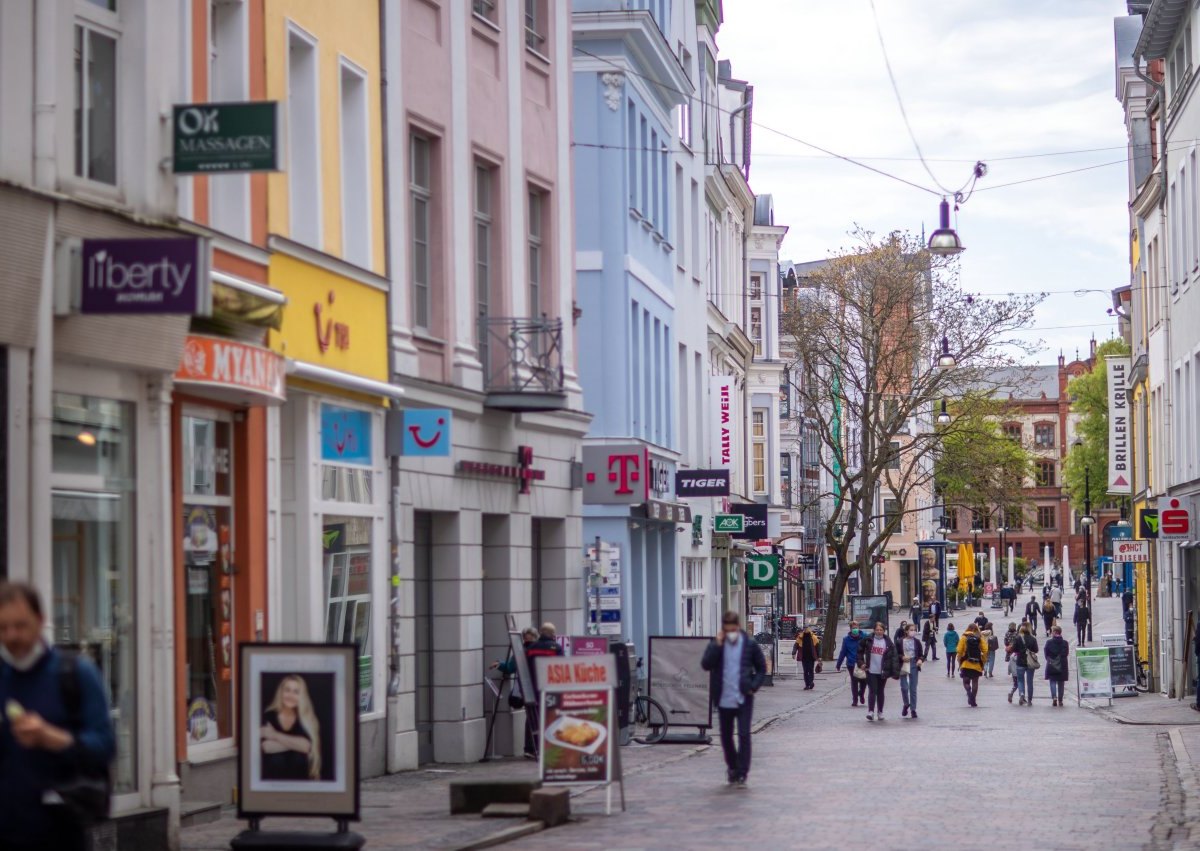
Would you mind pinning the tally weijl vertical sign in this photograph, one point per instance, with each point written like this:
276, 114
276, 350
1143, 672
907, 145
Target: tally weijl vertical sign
723, 388
1118, 425
168, 275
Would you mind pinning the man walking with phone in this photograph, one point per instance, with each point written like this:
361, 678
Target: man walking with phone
736, 671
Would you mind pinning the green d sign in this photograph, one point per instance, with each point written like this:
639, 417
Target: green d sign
727, 524
762, 571
223, 138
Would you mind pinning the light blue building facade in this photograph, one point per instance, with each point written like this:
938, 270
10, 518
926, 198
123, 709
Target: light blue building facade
627, 82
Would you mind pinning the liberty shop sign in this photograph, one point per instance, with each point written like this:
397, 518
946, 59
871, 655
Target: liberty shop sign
168, 275
224, 138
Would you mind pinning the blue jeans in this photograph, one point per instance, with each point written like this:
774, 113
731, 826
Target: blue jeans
990, 665
1025, 682
1056, 689
908, 687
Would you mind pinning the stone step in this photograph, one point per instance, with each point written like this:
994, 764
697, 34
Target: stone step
506, 811
192, 813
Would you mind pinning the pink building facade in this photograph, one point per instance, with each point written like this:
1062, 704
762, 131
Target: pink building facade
482, 318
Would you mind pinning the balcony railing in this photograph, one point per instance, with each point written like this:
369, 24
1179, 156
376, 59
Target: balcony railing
522, 363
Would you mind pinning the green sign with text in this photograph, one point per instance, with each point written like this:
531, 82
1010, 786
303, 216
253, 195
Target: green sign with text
729, 523
226, 138
762, 571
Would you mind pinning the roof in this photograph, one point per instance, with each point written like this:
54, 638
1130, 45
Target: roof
1162, 22
764, 210
1025, 382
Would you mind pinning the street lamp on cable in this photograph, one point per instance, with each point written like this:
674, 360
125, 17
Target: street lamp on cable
943, 418
944, 241
946, 359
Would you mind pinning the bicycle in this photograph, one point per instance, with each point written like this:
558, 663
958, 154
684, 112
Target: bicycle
1142, 672
649, 718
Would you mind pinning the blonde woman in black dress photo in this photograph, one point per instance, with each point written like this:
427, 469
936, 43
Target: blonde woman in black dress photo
290, 734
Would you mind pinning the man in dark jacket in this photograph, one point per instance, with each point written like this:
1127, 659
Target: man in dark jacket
736, 670
1083, 614
849, 655
1032, 612
44, 742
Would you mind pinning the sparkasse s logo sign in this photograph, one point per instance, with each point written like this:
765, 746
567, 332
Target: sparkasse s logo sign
698, 483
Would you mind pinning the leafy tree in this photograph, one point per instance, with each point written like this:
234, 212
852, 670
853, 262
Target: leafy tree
866, 330
979, 467
1089, 399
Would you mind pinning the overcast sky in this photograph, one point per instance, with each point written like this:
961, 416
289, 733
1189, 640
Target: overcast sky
980, 81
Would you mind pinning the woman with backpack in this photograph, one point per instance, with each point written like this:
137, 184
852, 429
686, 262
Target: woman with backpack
805, 652
993, 646
950, 643
1024, 651
972, 655
1057, 653
877, 654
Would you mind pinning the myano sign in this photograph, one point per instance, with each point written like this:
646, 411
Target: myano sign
226, 138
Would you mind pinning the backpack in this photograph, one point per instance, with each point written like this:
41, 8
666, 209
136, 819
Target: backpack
973, 649
88, 795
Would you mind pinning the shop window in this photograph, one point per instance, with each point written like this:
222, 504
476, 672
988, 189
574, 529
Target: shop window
94, 511
209, 558
346, 451
346, 547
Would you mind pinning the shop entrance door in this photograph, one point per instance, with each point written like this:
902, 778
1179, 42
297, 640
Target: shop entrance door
423, 611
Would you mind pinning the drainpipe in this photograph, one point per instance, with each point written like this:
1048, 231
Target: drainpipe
732, 138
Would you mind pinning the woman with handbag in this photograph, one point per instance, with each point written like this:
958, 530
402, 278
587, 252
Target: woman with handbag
805, 651
1024, 650
912, 656
1057, 653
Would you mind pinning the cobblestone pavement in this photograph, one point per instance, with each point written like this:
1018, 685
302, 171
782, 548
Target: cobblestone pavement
1001, 775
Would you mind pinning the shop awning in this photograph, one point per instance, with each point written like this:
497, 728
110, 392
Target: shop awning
344, 380
239, 300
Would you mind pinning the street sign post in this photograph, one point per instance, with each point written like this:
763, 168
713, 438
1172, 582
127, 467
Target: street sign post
729, 524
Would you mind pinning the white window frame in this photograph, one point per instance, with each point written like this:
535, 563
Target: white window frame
535, 211
355, 192
91, 17
313, 135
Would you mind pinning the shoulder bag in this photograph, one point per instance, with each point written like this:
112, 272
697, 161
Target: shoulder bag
1032, 662
859, 673
87, 795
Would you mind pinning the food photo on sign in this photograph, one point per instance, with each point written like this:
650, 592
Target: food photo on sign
575, 742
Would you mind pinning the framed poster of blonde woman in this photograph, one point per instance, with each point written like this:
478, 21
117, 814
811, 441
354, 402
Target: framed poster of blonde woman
298, 730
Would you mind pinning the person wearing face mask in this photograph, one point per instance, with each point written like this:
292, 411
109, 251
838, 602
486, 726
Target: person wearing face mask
877, 654
849, 655
736, 671
55, 729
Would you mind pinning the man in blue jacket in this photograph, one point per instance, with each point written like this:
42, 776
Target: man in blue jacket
736, 670
849, 655
44, 741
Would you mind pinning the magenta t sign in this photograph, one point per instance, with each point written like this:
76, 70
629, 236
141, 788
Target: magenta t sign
156, 275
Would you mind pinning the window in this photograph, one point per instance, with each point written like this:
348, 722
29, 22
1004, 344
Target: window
1047, 517
209, 557
950, 518
1012, 431
1047, 474
755, 287
756, 330
356, 160
483, 246
759, 450
96, 103
891, 514
1043, 435
785, 397
1014, 521
421, 194
632, 153
93, 511
346, 552
785, 478
692, 596
893, 461
485, 9
537, 253
228, 80
304, 156
981, 520
535, 25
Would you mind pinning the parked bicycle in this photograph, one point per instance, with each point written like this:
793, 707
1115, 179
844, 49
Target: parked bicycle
649, 718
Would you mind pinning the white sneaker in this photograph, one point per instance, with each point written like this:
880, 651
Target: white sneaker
879, 716
870, 716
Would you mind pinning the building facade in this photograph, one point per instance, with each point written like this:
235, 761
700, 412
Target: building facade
482, 326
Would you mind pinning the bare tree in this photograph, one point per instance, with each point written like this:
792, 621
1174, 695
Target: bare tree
867, 330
